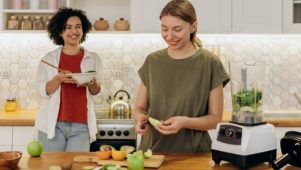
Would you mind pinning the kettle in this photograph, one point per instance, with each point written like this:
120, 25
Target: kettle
291, 150
119, 106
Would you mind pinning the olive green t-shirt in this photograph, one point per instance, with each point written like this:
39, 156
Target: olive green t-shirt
180, 87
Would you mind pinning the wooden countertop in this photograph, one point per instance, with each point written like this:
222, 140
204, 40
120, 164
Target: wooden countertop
17, 118
27, 118
173, 161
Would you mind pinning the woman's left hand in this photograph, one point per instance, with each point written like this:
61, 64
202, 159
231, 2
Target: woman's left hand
90, 83
171, 125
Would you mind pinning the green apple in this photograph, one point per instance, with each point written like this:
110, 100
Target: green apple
153, 121
35, 148
135, 161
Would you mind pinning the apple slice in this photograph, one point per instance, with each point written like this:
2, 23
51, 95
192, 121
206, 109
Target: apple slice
154, 121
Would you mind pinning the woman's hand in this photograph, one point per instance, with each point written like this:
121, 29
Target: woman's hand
171, 125
65, 77
141, 126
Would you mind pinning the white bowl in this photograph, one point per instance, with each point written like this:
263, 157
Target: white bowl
82, 78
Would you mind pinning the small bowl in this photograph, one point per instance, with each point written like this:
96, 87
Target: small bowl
82, 78
9, 159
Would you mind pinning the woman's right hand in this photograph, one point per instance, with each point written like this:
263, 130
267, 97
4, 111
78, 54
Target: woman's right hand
141, 126
65, 77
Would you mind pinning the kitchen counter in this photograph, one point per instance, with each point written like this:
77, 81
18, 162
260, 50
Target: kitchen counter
17, 118
27, 118
174, 161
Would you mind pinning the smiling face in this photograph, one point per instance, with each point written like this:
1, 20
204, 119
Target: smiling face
176, 32
73, 32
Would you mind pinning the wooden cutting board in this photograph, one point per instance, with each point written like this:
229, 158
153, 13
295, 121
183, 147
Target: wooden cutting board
153, 162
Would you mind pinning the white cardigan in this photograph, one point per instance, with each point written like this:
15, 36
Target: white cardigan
48, 112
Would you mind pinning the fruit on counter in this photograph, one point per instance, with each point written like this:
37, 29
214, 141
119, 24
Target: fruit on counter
127, 148
35, 148
106, 148
54, 167
118, 155
154, 121
148, 153
135, 161
103, 155
110, 166
87, 167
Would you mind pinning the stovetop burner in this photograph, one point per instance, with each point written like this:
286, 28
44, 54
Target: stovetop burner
114, 127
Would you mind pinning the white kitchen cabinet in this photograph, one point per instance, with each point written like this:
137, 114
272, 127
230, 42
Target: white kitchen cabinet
257, 16
214, 16
30, 8
110, 10
22, 135
6, 138
291, 16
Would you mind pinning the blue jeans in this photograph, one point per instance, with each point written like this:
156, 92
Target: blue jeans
68, 137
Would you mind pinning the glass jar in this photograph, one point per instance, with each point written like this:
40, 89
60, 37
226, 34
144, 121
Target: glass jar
47, 22
26, 23
10, 105
13, 23
38, 23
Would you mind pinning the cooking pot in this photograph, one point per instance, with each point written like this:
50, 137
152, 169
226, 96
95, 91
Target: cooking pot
119, 105
291, 150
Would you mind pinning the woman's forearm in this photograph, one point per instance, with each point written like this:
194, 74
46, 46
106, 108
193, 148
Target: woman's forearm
53, 85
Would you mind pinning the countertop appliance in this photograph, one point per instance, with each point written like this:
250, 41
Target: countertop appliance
115, 130
247, 140
291, 150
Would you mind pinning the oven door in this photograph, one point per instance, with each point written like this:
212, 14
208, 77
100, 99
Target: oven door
116, 143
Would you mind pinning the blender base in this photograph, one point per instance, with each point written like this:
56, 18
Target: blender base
244, 161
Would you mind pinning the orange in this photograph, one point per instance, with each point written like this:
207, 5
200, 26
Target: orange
103, 155
118, 155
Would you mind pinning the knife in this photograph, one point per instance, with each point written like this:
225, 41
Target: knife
143, 126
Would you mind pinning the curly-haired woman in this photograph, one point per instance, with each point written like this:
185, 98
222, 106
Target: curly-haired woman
66, 120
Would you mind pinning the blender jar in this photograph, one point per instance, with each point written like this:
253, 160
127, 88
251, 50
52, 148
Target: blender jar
246, 82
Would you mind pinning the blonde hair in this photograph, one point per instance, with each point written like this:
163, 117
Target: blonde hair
183, 9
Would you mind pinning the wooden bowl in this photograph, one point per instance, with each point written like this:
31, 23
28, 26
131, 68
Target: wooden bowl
9, 159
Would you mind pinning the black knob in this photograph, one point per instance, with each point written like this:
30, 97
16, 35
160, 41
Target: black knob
110, 133
229, 132
118, 132
102, 133
238, 134
222, 131
126, 133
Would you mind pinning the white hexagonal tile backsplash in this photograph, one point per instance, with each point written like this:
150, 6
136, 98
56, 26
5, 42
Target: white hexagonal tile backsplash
123, 54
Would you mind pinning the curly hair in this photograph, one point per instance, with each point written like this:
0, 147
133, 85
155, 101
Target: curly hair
58, 22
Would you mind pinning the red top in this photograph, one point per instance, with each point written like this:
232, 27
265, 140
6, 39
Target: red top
73, 105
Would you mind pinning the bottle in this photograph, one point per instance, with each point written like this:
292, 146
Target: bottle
13, 23
34, 4
17, 4
47, 20
52, 4
26, 23
38, 23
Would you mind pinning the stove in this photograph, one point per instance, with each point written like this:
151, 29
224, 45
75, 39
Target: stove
114, 130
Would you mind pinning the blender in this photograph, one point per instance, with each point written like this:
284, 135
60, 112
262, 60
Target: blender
246, 140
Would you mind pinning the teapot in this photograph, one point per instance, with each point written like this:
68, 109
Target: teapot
118, 105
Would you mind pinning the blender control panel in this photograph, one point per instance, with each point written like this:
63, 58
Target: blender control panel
230, 134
